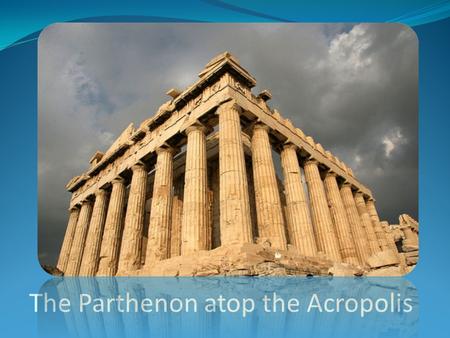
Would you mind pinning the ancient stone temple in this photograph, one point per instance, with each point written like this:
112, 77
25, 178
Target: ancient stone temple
194, 190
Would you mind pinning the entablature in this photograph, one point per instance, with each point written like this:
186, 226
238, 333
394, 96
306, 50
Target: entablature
223, 81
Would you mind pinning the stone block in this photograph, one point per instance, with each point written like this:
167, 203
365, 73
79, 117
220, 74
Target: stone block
382, 258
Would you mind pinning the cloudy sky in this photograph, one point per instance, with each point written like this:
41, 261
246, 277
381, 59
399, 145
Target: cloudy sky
352, 87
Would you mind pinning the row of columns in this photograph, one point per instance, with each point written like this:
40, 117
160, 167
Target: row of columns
105, 250
331, 220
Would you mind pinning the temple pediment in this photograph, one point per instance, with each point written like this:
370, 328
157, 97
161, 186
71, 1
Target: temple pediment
227, 62
123, 138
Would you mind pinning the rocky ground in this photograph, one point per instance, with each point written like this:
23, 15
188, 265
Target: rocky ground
259, 260
262, 260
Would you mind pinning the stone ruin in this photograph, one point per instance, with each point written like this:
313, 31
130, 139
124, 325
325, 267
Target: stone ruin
193, 191
406, 238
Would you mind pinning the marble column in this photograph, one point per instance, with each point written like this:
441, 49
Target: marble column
68, 238
194, 229
235, 221
213, 183
76, 251
160, 212
177, 215
91, 253
340, 220
359, 234
130, 252
385, 240
269, 212
109, 251
379, 231
366, 222
251, 194
326, 239
390, 238
301, 232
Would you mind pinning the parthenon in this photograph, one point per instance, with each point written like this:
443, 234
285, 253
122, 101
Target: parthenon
194, 190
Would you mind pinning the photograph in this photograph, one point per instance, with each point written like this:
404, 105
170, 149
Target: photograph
244, 149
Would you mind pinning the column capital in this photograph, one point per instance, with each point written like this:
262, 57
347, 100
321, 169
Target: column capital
359, 193
194, 127
88, 200
229, 105
290, 145
117, 180
260, 125
138, 166
346, 184
100, 192
311, 161
331, 174
74, 207
165, 149
365, 196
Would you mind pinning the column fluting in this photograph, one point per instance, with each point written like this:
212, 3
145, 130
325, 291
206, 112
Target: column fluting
131, 249
390, 239
340, 220
366, 222
359, 234
91, 253
68, 238
379, 231
110, 248
194, 229
235, 221
301, 232
177, 215
269, 212
326, 239
160, 213
76, 251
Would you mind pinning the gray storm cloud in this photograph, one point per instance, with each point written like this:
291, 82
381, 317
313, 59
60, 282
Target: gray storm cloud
352, 87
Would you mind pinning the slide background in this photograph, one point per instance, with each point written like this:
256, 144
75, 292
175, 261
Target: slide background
19, 29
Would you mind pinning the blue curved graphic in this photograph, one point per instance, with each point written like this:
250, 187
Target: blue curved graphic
17, 22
